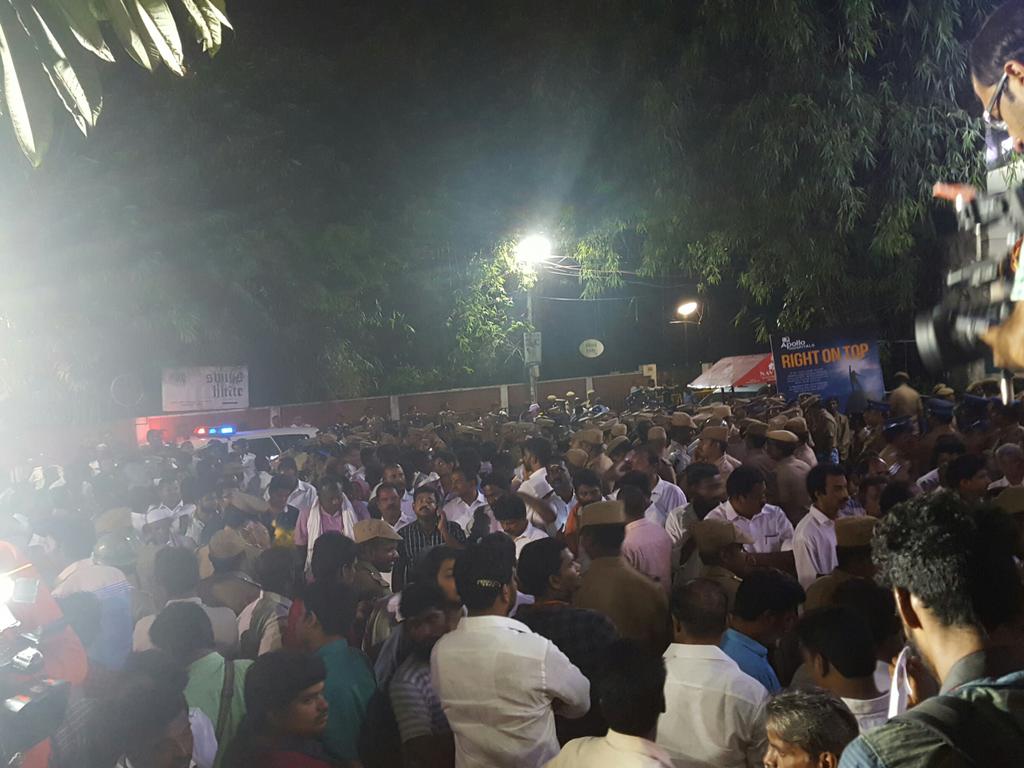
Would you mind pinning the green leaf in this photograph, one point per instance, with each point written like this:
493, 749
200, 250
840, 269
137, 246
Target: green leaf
85, 27
80, 100
156, 19
198, 22
124, 28
215, 18
26, 91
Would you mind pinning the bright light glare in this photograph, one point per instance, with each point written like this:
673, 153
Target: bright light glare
687, 308
6, 589
533, 250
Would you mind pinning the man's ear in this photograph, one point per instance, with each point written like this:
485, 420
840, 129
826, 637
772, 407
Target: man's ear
1015, 69
905, 608
827, 760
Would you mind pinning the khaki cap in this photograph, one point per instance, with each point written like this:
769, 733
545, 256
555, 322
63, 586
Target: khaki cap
616, 442
721, 412
782, 436
590, 436
757, 428
797, 426
368, 530
114, 519
603, 513
680, 419
226, 543
855, 531
715, 433
712, 535
247, 503
619, 430
570, 393
1011, 500
577, 457
656, 433
944, 391
552, 398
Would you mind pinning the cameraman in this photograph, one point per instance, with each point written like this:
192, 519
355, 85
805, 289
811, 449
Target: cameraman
997, 74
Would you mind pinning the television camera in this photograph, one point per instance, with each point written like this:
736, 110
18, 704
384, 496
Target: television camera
32, 706
980, 294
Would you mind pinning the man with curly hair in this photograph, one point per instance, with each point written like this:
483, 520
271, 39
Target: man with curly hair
952, 572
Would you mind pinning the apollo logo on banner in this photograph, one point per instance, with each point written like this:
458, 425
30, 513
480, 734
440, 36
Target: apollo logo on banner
207, 388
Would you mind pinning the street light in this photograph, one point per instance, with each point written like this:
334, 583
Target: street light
687, 308
533, 250
530, 252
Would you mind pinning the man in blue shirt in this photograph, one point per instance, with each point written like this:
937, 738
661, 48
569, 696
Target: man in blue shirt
330, 609
765, 610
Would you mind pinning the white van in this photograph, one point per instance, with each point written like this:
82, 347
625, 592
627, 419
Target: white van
266, 442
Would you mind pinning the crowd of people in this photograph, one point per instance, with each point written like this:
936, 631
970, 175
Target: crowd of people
737, 584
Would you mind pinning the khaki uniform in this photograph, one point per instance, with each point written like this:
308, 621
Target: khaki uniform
725, 578
726, 465
232, 590
600, 464
844, 437
824, 430
368, 583
822, 592
766, 464
791, 486
905, 401
636, 605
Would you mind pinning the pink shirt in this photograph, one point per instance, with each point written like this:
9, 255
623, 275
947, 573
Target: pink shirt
649, 549
327, 523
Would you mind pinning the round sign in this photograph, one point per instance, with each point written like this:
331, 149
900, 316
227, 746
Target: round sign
591, 348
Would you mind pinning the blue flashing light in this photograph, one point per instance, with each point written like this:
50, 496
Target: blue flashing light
227, 430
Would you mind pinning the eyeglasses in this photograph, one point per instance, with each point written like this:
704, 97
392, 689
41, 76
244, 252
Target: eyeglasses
998, 125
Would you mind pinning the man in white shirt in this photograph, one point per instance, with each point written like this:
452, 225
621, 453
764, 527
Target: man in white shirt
632, 696
536, 457
837, 647
714, 712
664, 495
466, 501
1010, 458
814, 540
510, 512
766, 524
395, 475
499, 683
304, 496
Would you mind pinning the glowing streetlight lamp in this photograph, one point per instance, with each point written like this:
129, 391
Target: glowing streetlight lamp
533, 250
530, 252
687, 308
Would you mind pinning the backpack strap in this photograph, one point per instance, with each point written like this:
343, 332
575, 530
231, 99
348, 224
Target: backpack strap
227, 694
962, 726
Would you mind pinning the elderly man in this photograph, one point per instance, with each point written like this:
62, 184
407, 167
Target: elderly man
1010, 459
712, 449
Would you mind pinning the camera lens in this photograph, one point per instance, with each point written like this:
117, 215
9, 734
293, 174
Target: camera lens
946, 338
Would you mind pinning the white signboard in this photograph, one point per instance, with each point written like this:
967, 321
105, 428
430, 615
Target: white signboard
591, 348
213, 388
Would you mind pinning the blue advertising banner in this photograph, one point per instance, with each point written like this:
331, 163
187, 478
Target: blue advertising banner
840, 363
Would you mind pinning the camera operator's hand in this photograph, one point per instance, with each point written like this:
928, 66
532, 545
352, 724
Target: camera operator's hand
1007, 340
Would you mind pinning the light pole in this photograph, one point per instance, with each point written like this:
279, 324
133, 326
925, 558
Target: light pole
531, 252
689, 312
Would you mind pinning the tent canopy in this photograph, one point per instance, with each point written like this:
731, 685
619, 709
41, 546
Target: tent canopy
740, 371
